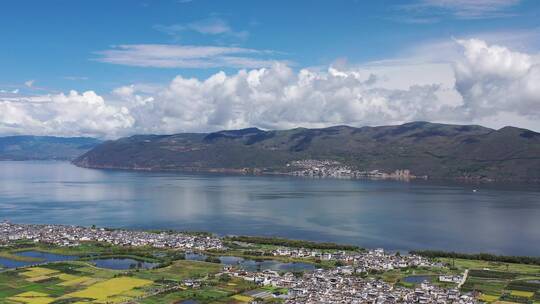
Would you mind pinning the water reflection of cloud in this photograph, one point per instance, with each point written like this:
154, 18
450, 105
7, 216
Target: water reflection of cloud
389, 214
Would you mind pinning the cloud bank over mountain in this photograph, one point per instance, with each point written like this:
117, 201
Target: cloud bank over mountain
493, 79
484, 84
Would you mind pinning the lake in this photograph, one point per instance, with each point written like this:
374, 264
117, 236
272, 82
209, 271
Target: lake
252, 265
417, 279
390, 214
46, 256
43, 257
122, 264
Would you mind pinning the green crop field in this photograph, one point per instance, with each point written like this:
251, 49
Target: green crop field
507, 282
81, 282
181, 270
494, 266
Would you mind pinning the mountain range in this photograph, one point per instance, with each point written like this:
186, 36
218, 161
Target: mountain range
439, 151
44, 147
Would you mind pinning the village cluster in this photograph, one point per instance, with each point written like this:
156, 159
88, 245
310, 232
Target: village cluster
62, 235
338, 285
332, 286
361, 261
329, 168
342, 284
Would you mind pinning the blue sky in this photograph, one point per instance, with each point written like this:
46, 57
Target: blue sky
49, 41
52, 47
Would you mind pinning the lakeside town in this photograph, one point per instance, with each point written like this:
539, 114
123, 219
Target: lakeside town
62, 235
335, 169
348, 281
339, 285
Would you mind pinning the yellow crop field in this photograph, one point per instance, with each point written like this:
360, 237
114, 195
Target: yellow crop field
66, 277
242, 298
109, 289
519, 293
488, 298
38, 272
32, 297
37, 279
76, 281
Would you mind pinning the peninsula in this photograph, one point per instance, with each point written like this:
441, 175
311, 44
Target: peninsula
412, 150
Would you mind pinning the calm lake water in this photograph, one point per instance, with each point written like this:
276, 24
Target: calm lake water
122, 263
393, 215
46, 256
252, 265
42, 256
417, 279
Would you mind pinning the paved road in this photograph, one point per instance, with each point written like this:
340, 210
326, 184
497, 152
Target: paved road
465, 274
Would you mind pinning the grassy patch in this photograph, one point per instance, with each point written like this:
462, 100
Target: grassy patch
483, 285
493, 266
203, 295
492, 274
524, 286
180, 270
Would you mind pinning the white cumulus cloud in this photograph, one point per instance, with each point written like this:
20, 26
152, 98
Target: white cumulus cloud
493, 79
278, 97
485, 84
71, 114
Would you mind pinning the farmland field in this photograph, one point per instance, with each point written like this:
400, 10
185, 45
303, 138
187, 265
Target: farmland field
113, 290
81, 282
500, 282
175, 279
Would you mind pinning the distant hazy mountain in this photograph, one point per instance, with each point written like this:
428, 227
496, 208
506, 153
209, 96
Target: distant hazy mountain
44, 147
435, 150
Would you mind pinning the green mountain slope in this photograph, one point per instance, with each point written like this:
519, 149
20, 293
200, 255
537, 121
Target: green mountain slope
434, 150
44, 147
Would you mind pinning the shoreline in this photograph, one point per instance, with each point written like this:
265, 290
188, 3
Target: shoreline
190, 267
242, 172
261, 172
314, 245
